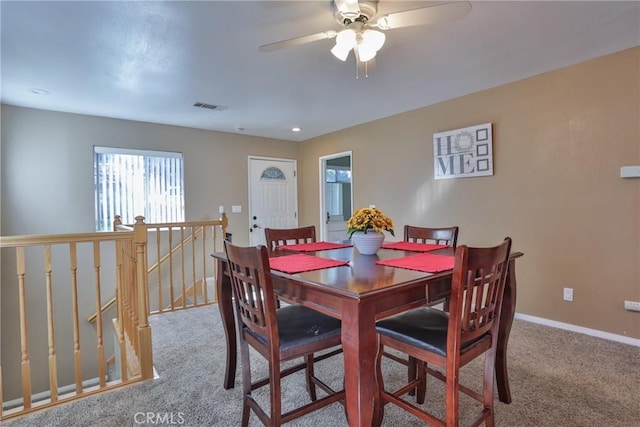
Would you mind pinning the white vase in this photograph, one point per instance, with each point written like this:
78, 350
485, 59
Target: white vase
367, 243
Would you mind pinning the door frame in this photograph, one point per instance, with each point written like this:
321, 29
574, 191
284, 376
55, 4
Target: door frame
250, 158
323, 187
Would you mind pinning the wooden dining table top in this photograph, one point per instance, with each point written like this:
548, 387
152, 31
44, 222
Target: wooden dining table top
362, 276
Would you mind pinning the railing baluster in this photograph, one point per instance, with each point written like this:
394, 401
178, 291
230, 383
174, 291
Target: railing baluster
205, 293
194, 285
129, 324
53, 371
77, 355
214, 272
171, 289
158, 256
120, 310
99, 332
184, 290
133, 301
24, 339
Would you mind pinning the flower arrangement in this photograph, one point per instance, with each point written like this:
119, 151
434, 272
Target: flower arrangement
365, 219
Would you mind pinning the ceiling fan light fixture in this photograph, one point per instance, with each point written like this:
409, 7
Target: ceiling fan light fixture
341, 52
345, 41
369, 43
373, 38
346, 38
365, 54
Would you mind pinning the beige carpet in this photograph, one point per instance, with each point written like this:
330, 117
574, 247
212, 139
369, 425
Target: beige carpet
558, 378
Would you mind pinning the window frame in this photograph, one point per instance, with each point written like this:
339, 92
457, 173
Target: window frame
161, 178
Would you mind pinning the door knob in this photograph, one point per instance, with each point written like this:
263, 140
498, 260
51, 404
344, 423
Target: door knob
256, 226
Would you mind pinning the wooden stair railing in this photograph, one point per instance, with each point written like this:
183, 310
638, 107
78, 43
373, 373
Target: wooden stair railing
211, 235
69, 266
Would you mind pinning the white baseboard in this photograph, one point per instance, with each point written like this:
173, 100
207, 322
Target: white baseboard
579, 329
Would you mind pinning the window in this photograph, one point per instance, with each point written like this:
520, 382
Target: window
137, 182
336, 178
273, 174
338, 175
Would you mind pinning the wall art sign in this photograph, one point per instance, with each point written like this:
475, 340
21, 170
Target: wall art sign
463, 152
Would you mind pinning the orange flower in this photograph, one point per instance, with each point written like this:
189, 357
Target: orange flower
365, 219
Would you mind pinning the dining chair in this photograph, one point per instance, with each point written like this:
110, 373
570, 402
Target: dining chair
440, 236
450, 340
279, 335
284, 236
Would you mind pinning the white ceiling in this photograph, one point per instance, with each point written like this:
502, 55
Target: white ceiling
151, 61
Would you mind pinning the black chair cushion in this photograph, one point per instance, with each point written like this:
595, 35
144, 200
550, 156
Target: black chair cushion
299, 325
424, 328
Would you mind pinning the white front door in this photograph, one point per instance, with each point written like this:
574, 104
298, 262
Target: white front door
273, 196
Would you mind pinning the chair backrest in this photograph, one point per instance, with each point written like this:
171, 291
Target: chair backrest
477, 288
441, 236
284, 236
252, 290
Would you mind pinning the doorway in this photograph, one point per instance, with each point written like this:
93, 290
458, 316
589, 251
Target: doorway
336, 196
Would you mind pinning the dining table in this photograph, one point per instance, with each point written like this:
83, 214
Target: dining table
359, 291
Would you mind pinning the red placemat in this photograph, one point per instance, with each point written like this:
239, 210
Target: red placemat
298, 263
413, 246
313, 246
429, 263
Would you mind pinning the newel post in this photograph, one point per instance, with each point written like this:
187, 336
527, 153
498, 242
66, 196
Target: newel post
224, 222
116, 222
144, 331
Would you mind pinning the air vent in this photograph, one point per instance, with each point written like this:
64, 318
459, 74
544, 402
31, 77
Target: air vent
209, 106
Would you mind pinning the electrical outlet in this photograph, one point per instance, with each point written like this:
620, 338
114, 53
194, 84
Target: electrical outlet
632, 305
568, 294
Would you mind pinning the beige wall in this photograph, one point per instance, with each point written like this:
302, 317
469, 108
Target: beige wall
559, 140
47, 168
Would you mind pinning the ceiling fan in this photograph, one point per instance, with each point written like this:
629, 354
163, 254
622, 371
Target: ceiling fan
361, 28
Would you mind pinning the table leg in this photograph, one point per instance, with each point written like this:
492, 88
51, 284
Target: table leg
225, 305
506, 320
359, 344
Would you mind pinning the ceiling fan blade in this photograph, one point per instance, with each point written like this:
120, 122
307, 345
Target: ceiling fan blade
443, 12
297, 41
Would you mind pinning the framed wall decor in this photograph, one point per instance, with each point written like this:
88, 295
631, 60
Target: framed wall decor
465, 152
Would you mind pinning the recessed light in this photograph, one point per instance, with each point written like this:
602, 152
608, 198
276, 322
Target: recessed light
37, 91
296, 129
